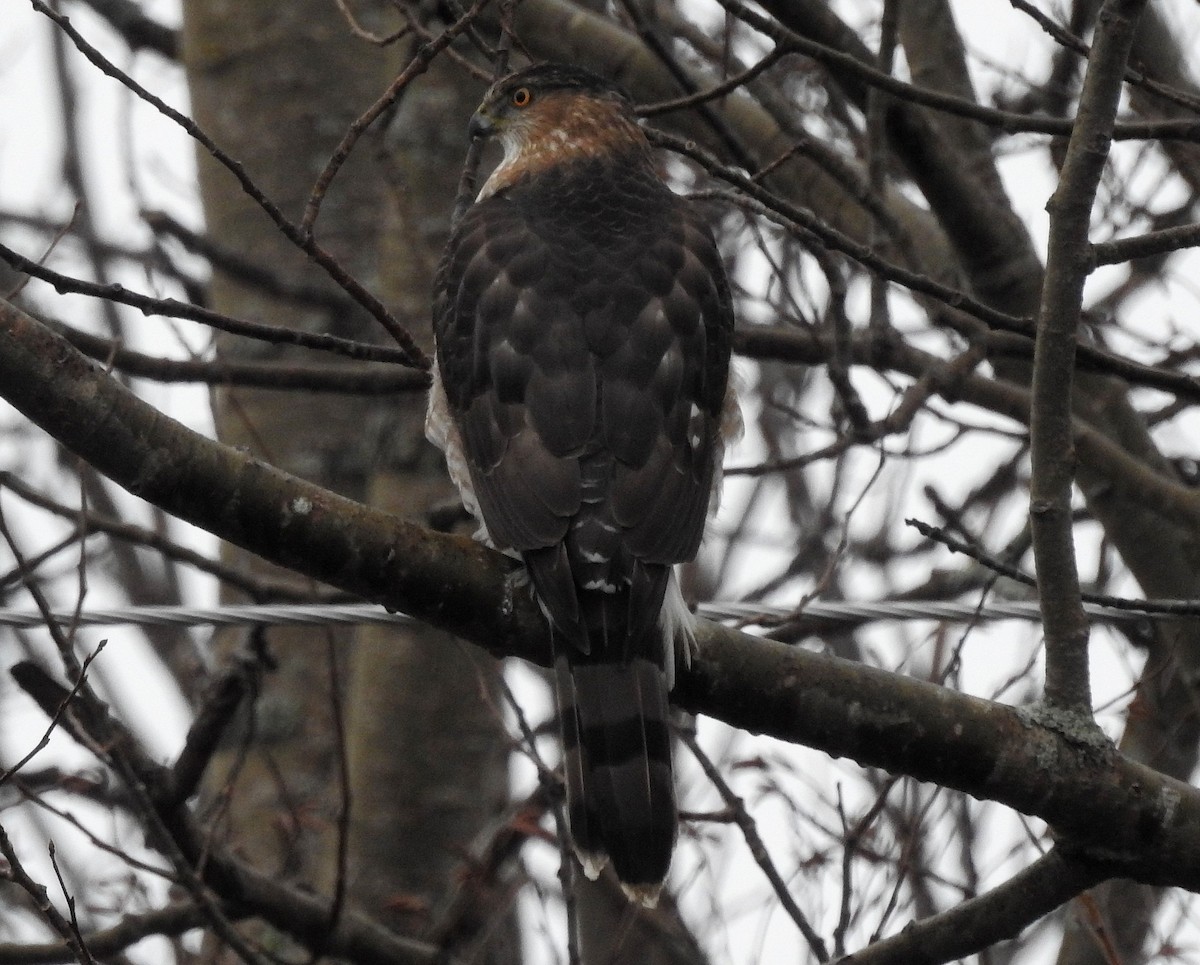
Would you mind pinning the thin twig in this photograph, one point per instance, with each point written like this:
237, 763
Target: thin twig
1007, 121
85, 956
173, 308
363, 33
35, 563
237, 265
758, 849
418, 65
409, 349
56, 717
63, 641
809, 227
17, 874
1071, 42
997, 565
59, 233
727, 86
102, 792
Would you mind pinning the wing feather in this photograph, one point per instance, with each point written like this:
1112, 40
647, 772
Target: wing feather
583, 333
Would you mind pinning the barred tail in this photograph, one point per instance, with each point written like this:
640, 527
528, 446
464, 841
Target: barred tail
617, 754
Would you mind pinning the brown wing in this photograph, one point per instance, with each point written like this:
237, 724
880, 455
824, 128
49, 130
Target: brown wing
583, 335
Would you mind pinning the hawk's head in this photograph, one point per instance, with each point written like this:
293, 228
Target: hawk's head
549, 114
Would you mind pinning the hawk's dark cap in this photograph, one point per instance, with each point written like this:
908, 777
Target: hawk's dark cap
554, 76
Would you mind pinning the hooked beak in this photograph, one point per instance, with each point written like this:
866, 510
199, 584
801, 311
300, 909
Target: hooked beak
481, 126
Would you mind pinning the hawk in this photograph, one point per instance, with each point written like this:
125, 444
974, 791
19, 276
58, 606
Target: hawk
583, 326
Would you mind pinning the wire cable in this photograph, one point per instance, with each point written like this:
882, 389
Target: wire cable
325, 614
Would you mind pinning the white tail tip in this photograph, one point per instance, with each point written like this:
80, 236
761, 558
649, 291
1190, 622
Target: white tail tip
592, 863
644, 895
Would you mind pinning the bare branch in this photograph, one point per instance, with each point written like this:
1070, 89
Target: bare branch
16, 873
998, 566
845, 64
1146, 246
341, 379
758, 849
300, 914
1067, 682
418, 65
995, 916
169, 921
174, 308
409, 349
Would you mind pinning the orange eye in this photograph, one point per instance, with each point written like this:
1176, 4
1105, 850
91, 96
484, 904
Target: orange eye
521, 97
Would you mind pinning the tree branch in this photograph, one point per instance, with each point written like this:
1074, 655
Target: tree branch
974, 925
172, 830
1146, 245
1126, 476
173, 308
1052, 448
305, 242
108, 942
282, 377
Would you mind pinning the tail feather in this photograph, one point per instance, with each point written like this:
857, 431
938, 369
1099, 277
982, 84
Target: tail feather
617, 749
613, 670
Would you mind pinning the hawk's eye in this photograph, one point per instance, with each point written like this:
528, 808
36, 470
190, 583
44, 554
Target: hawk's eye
521, 97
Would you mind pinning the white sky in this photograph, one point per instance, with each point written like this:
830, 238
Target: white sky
29, 184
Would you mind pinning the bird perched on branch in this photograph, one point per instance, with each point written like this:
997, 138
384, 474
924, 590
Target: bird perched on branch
583, 326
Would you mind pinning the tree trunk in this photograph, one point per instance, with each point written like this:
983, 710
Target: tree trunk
277, 87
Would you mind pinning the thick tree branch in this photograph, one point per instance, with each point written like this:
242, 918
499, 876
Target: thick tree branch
1125, 815
253, 505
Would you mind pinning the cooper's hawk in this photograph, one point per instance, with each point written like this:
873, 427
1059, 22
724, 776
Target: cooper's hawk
583, 326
